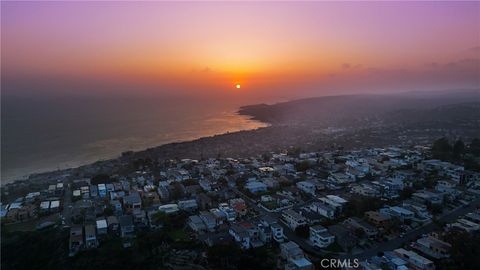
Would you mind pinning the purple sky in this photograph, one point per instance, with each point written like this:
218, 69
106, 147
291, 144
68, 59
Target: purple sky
271, 48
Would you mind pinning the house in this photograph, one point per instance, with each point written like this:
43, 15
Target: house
445, 185
117, 207
94, 191
51, 189
432, 247
389, 259
299, 264
229, 213
265, 233
102, 227
204, 201
293, 219
359, 224
127, 229
196, 224
113, 224
334, 202
291, 250
55, 206
76, 239
140, 218
310, 216
378, 219
473, 217
277, 233
365, 190
320, 237
213, 239
3, 210
219, 216
90, 237
307, 187
102, 190
115, 195
399, 212
464, 224
322, 209
132, 201
253, 233
340, 178
294, 256
343, 236
209, 220
44, 207
240, 235
256, 186
425, 196
205, 185
414, 260
188, 205
151, 197
238, 204
271, 183
32, 196
164, 193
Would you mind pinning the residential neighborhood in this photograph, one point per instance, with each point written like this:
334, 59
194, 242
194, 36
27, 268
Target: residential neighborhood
302, 207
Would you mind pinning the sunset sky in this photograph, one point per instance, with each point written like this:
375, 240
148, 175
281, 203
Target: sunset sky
272, 49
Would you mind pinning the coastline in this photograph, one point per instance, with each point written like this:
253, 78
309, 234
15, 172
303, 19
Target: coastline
58, 169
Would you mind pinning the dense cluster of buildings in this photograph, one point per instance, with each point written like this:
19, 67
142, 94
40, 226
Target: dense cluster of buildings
268, 201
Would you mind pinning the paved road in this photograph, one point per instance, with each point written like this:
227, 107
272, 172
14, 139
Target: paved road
414, 234
366, 254
286, 230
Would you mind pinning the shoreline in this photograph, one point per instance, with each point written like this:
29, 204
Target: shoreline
119, 155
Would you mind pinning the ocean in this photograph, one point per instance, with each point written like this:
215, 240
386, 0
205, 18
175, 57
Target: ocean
43, 134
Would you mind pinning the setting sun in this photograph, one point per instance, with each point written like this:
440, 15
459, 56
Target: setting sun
238, 86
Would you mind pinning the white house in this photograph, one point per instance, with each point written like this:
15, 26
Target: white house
293, 219
196, 224
414, 260
399, 212
307, 187
320, 237
102, 227
277, 233
255, 187
322, 209
240, 235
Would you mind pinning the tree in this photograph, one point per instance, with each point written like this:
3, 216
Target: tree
100, 179
177, 191
230, 256
160, 218
406, 193
302, 166
464, 251
108, 211
474, 147
359, 205
302, 231
44, 249
441, 149
359, 232
458, 149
